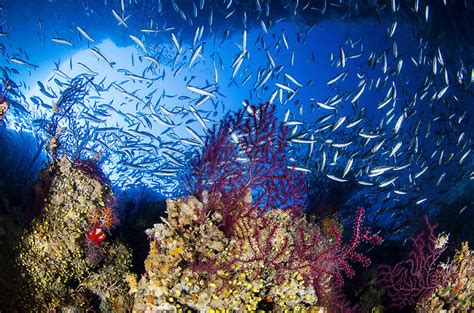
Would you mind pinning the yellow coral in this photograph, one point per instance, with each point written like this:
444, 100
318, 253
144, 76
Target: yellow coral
176, 251
456, 294
132, 282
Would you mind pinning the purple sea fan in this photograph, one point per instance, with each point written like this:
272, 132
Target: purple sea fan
243, 173
328, 264
247, 153
418, 274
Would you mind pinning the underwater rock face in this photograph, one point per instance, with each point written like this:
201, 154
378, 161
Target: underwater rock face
53, 258
194, 265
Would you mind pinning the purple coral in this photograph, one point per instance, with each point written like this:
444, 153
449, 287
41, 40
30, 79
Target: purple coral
416, 276
248, 153
327, 265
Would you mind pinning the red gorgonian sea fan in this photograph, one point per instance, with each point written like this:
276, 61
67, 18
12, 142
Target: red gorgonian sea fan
418, 274
247, 152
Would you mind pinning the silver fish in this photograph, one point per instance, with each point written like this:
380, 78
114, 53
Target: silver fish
299, 169
358, 94
342, 57
99, 55
294, 81
264, 27
464, 156
176, 43
398, 124
342, 145
303, 140
335, 178
62, 41
423, 170
151, 59
200, 91
283, 87
356, 122
348, 167
84, 33
338, 123
195, 135
195, 55
392, 29
387, 182
395, 149
139, 43
285, 41
325, 106
119, 19
442, 92
23, 62
336, 78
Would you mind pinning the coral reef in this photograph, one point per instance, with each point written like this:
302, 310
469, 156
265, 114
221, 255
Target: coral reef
456, 292
58, 267
174, 280
271, 257
241, 241
109, 281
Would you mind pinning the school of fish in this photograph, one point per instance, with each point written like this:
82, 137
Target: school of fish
404, 139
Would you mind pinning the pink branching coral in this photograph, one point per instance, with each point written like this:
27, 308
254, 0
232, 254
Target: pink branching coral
418, 275
248, 153
243, 175
325, 261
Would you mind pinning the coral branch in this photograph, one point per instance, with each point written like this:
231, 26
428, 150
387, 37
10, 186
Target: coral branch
328, 264
416, 276
243, 175
247, 152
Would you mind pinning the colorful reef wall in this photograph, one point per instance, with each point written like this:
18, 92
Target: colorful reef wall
237, 240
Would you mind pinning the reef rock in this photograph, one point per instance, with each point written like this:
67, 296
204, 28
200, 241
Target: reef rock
192, 264
52, 255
